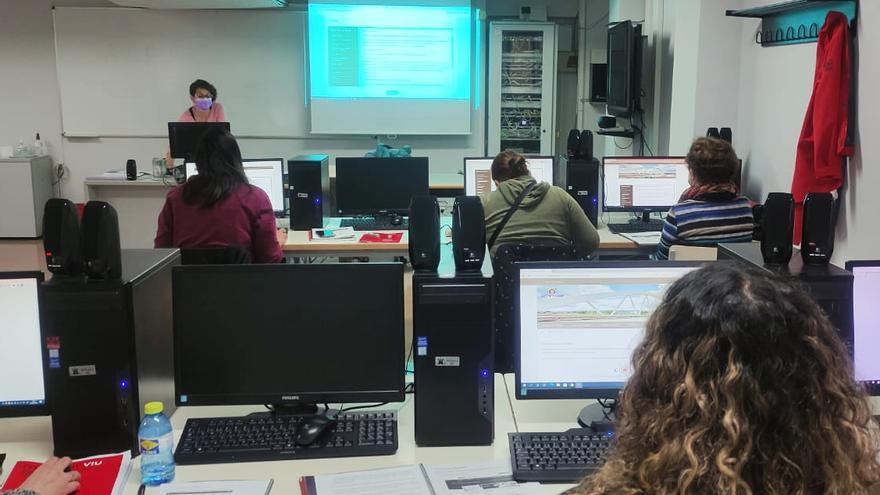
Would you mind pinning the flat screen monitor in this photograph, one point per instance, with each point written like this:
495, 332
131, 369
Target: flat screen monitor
183, 137
866, 322
370, 186
638, 184
23, 361
579, 323
478, 173
265, 173
288, 334
624, 56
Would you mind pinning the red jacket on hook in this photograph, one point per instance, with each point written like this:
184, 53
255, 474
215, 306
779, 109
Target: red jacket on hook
823, 147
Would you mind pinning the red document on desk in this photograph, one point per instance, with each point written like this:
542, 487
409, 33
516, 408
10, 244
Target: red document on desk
382, 237
101, 475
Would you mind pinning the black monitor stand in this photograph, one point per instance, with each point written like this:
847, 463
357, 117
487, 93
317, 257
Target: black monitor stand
288, 410
646, 218
599, 416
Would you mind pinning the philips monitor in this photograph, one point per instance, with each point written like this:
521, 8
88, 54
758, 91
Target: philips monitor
288, 335
370, 186
624, 56
579, 323
640, 184
23, 360
866, 322
478, 173
265, 173
183, 137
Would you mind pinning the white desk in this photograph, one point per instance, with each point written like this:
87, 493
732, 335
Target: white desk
31, 439
137, 203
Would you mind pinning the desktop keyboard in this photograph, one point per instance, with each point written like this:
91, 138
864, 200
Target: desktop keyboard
370, 223
632, 228
557, 457
267, 438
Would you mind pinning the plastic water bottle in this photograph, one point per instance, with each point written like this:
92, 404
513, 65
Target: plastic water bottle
157, 446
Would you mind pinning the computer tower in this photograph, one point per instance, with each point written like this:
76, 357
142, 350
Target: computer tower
62, 238
830, 286
110, 352
309, 193
424, 233
453, 336
583, 184
817, 238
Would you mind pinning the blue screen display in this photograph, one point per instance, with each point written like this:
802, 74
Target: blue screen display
375, 51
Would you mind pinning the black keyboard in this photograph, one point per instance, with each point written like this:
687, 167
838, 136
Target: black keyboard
632, 228
377, 223
557, 457
266, 438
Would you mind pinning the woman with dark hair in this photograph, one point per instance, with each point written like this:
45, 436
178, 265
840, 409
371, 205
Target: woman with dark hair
740, 386
205, 107
218, 207
546, 214
711, 210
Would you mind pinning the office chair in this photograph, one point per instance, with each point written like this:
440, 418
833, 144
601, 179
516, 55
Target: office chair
222, 255
505, 299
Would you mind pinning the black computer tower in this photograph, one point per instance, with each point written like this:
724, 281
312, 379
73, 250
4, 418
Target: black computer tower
583, 184
309, 183
453, 339
110, 352
830, 286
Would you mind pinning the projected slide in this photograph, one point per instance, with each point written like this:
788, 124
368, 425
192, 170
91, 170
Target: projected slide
371, 51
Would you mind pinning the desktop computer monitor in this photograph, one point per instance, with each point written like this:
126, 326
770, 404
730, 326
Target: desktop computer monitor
23, 362
579, 323
183, 137
265, 173
288, 335
369, 186
866, 322
639, 184
478, 173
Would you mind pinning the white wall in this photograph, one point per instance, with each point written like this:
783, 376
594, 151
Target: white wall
29, 100
774, 89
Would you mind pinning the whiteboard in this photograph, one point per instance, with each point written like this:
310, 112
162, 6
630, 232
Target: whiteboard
126, 72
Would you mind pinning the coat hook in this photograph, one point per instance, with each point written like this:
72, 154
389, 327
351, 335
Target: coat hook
802, 32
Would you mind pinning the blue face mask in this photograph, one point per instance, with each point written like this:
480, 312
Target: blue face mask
204, 104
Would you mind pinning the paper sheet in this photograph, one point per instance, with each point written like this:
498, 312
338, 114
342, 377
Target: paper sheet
406, 480
252, 487
644, 238
492, 477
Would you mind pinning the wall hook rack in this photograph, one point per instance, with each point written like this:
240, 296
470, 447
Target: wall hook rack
795, 21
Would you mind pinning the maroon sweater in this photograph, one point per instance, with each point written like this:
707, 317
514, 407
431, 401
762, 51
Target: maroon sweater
243, 218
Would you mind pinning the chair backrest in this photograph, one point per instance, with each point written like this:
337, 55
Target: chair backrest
223, 255
677, 252
505, 300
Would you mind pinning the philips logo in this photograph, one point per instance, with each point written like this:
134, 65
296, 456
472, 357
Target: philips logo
289, 397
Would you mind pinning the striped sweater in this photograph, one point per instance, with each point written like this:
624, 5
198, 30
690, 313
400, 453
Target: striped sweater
707, 220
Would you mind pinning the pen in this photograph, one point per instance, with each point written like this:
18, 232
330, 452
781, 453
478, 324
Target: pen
142, 489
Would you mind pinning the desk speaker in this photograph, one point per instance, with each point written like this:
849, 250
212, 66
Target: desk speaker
424, 233
101, 249
817, 238
468, 234
777, 228
62, 238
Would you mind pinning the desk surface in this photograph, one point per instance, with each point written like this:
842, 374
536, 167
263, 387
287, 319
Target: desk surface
436, 181
31, 439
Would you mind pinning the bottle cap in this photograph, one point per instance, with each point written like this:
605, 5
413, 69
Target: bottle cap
153, 407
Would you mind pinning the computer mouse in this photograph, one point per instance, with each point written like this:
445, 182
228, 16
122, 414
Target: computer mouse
313, 428
396, 220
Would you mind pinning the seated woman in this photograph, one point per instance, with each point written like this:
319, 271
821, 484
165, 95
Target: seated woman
740, 386
546, 215
711, 211
218, 207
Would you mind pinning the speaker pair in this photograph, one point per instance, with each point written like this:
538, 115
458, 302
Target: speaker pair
777, 226
725, 133
90, 248
580, 144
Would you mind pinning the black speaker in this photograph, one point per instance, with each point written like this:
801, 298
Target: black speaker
712, 132
777, 228
817, 238
758, 222
468, 233
424, 233
571, 145
131, 170
726, 133
309, 177
582, 183
62, 239
585, 146
453, 335
101, 251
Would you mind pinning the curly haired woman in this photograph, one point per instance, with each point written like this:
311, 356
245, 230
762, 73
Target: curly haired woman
741, 386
